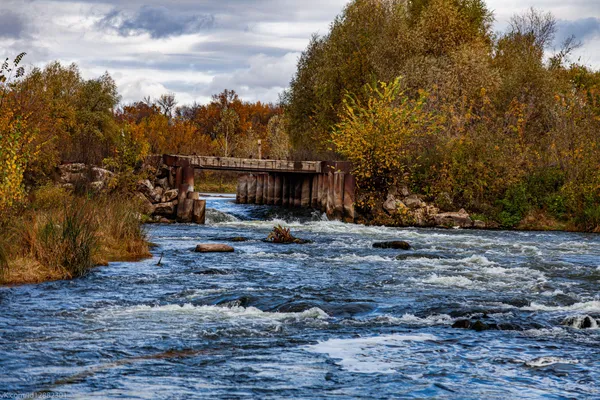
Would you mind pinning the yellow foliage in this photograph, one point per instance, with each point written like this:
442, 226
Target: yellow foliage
381, 136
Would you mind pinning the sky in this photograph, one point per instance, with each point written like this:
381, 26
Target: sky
196, 48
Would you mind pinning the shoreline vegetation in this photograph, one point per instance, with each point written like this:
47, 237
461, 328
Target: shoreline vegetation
60, 235
423, 97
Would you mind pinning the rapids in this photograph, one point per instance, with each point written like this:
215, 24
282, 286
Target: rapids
331, 318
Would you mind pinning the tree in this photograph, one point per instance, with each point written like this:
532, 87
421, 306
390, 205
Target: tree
167, 104
278, 138
225, 131
16, 137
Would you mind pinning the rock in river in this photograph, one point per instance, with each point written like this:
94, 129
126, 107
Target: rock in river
214, 248
397, 244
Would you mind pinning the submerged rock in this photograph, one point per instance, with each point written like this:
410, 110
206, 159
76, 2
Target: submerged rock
214, 248
212, 271
462, 324
396, 244
581, 322
237, 239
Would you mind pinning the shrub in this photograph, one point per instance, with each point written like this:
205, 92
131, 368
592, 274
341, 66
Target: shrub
515, 206
380, 137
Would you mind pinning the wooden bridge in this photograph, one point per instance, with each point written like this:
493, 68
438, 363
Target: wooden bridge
323, 185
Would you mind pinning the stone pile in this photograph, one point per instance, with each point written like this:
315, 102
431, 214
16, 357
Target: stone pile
159, 196
414, 211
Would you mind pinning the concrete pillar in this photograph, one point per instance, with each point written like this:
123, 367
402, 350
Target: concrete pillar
193, 195
271, 190
297, 190
260, 182
178, 176
338, 196
330, 188
199, 212
171, 178
314, 192
251, 189
184, 211
349, 196
242, 190
188, 176
324, 191
278, 198
285, 191
306, 195
265, 188
183, 191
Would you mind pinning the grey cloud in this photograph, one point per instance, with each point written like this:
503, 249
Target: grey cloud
12, 25
157, 21
582, 29
170, 62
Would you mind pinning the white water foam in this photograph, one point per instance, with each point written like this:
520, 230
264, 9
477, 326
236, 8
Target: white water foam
585, 306
354, 258
369, 355
547, 361
450, 281
294, 256
217, 313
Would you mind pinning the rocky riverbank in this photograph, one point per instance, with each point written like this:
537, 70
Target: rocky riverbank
405, 209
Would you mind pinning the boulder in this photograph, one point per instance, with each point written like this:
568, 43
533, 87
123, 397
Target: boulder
163, 183
145, 187
397, 244
477, 224
101, 174
156, 195
454, 219
413, 202
74, 168
393, 205
169, 195
73, 177
165, 209
214, 248
146, 205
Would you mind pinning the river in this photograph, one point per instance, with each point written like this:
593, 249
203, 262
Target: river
333, 318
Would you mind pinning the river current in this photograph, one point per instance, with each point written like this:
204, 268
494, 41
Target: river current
335, 318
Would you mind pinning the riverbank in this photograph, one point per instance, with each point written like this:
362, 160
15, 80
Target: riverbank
59, 235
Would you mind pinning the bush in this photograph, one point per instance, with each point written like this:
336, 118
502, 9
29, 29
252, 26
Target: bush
515, 206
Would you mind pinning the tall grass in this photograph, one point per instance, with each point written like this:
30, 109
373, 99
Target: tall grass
63, 236
69, 243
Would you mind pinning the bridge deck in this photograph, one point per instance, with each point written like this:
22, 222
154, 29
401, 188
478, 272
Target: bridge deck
245, 164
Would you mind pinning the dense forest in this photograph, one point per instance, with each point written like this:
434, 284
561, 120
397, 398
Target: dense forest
423, 93
419, 93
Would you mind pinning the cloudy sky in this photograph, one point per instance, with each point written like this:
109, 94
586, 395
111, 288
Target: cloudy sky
195, 48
